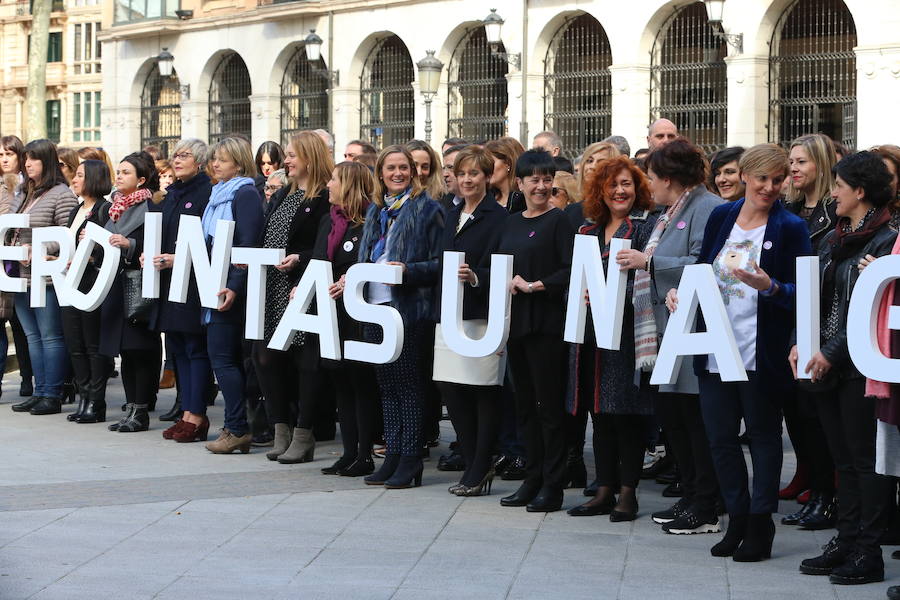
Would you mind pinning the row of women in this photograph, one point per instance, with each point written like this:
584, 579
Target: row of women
345, 214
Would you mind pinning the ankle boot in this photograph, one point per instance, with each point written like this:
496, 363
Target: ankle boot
302, 448
95, 412
174, 413
26, 405
407, 475
798, 484
821, 513
361, 466
282, 441
190, 432
228, 443
47, 406
388, 466
757, 544
138, 420
339, 465
576, 472
82, 405
737, 530
129, 410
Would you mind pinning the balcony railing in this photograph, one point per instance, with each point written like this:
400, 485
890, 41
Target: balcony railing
24, 7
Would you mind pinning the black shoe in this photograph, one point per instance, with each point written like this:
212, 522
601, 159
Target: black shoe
858, 569
664, 464
795, 517
385, 471
692, 522
137, 420
591, 489
174, 413
757, 544
69, 394
515, 471
734, 535
26, 405
408, 474
895, 554
26, 388
522, 496
834, 555
667, 477
451, 462
678, 509
821, 515
594, 507
547, 500
262, 440
361, 466
82, 405
893, 592
673, 490
95, 412
47, 406
500, 463
576, 473
340, 464
433, 442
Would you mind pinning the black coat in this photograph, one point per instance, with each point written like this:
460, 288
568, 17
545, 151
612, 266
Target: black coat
99, 215
304, 226
182, 198
820, 222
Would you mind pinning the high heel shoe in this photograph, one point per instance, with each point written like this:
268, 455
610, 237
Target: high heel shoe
482, 489
799, 483
361, 466
455, 488
737, 529
391, 461
302, 448
82, 406
408, 473
190, 432
757, 544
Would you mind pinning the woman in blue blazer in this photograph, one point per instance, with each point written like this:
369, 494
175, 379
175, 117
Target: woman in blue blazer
752, 245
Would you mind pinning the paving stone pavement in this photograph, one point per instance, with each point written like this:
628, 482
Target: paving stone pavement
90, 514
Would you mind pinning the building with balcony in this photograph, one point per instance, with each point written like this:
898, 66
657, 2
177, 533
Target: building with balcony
74, 70
762, 70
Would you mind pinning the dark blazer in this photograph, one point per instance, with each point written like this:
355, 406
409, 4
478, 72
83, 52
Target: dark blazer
787, 238
478, 238
182, 198
345, 256
247, 210
820, 222
304, 225
99, 215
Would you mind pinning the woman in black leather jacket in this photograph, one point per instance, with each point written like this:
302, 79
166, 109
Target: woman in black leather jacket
862, 194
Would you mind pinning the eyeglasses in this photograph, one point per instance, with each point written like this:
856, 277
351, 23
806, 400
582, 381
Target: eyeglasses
182, 156
273, 188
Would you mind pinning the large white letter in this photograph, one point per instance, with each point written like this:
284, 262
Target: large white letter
862, 320
607, 293
256, 261
698, 288
12, 253
91, 300
211, 272
808, 310
152, 247
386, 317
499, 301
314, 284
43, 266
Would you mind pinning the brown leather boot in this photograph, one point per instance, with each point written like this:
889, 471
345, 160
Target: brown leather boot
228, 443
167, 380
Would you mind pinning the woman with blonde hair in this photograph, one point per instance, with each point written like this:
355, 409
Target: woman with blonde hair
506, 151
291, 223
350, 192
428, 167
592, 155
91, 153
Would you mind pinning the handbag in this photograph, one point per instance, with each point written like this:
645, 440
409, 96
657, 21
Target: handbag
137, 308
453, 368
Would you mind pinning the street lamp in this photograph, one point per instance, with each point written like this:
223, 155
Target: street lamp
430, 69
715, 10
492, 25
166, 63
313, 46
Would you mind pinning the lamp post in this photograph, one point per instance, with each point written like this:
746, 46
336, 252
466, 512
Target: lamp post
430, 69
492, 25
715, 10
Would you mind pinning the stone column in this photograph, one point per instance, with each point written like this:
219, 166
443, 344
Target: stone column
631, 103
266, 113
748, 100
877, 90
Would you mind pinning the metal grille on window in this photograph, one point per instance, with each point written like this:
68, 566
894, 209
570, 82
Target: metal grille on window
229, 99
577, 84
387, 110
688, 82
812, 70
477, 93
304, 96
161, 112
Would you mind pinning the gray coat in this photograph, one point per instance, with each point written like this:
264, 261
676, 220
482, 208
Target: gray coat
677, 248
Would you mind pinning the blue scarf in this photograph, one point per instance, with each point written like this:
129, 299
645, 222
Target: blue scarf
392, 206
219, 207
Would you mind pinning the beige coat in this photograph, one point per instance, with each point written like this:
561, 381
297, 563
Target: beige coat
52, 208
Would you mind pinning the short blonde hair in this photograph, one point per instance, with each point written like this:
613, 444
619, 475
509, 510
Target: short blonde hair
589, 152
764, 159
238, 150
569, 183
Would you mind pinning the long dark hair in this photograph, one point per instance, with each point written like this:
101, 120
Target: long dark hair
97, 183
45, 151
275, 152
12, 142
144, 166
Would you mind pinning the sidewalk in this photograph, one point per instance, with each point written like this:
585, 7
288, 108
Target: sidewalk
90, 514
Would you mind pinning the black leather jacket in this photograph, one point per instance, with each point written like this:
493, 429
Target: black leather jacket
820, 222
845, 276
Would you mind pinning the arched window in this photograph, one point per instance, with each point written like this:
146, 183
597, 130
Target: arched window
812, 73
386, 94
477, 93
577, 85
160, 111
688, 83
229, 99
304, 96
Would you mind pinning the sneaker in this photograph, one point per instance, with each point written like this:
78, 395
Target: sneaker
673, 512
859, 568
834, 555
651, 457
691, 522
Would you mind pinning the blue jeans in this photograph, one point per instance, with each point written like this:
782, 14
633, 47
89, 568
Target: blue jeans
43, 329
224, 342
192, 369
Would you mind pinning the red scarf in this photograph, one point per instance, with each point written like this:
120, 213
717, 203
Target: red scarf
121, 203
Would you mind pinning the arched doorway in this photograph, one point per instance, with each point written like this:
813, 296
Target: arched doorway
161, 111
477, 92
304, 95
229, 99
387, 109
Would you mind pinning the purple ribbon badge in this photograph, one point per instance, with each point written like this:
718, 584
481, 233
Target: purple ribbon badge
767, 244
681, 225
188, 205
531, 234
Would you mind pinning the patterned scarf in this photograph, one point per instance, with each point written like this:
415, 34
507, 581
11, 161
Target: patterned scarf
392, 206
646, 342
219, 207
121, 203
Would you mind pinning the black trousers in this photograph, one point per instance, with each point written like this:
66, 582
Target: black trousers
140, 374
810, 446
475, 414
683, 426
724, 404
537, 363
619, 442
848, 419
356, 391
81, 331
280, 378
431, 418
21, 343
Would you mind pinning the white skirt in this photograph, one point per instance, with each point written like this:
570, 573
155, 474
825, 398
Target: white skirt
451, 367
